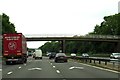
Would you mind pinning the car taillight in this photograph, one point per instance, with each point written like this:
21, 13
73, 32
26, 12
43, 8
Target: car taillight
6, 51
19, 54
5, 54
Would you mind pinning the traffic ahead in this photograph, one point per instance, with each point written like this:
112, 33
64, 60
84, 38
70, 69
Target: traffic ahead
47, 69
37, 66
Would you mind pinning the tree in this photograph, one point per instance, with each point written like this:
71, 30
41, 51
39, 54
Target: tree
52, 46
110, 26
0, 24
7, 26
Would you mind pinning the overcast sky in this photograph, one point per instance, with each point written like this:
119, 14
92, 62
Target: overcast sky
57, 16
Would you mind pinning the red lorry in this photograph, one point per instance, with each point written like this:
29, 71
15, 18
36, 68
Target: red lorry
14, 48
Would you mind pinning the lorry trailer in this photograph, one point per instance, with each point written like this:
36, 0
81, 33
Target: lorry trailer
14, 48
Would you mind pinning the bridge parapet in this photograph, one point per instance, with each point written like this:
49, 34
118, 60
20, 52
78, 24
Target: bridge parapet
73, 36
103, 36
49, 35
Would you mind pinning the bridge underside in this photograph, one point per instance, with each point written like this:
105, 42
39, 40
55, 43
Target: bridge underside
63, 39
71, 39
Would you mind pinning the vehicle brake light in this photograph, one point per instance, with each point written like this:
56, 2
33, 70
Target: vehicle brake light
5, 54
5, 34
19, 54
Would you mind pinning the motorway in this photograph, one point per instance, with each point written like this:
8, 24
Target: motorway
48, 69
0, 68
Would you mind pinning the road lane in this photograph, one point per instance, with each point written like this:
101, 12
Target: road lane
46, 68
82, 71
30, 70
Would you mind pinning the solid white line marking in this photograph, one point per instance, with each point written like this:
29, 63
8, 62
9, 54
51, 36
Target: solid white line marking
0, 69
53, 66
20, 67
9, 72
57, 71
100, 68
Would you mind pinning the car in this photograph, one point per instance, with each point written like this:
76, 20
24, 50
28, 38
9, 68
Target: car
73, 55
38, 54
48, 54
115, 55
60, 57
33, 54
52, 55
85, 55
30, 53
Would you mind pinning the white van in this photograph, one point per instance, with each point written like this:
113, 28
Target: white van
38, 54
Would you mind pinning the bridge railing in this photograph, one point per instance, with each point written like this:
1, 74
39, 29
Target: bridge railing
71, 35
103, 36
49, 35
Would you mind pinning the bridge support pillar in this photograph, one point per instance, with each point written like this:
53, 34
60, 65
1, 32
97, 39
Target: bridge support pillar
63, 46
118, 47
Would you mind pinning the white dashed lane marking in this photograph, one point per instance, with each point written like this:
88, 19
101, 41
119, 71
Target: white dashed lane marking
35, 69
57, 71
53, 66
9, 72
76, 68
20, 67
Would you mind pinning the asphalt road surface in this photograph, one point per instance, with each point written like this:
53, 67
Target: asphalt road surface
48, 69
0, 68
